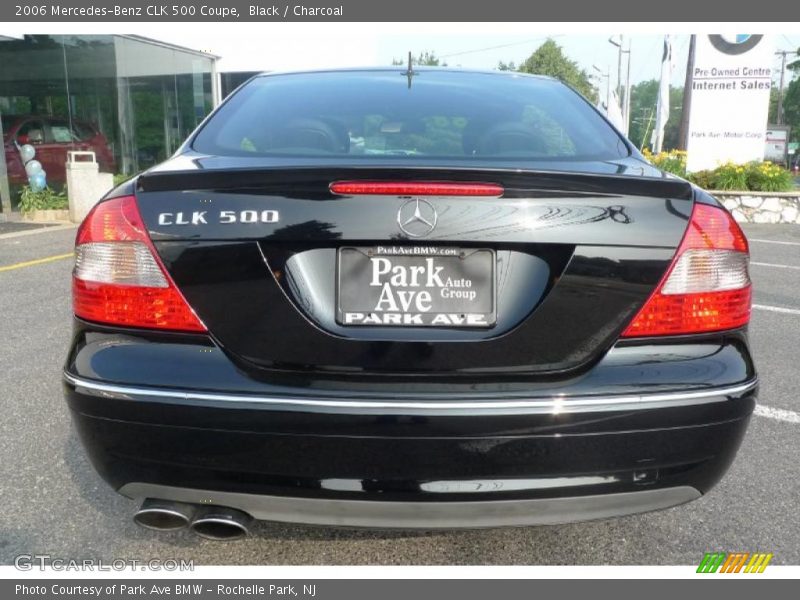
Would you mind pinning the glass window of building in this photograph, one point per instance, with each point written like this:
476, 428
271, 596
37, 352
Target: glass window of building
131, 100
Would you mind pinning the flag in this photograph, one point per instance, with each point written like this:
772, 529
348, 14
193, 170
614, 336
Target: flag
662, 108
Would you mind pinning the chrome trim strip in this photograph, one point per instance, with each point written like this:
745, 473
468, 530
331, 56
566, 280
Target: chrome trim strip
548, 405
427, 515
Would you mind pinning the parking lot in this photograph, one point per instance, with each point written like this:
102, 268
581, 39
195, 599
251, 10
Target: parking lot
54, 503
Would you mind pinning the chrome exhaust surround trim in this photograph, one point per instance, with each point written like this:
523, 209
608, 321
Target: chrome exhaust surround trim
220, 523
426, 515
545, 405
163, 515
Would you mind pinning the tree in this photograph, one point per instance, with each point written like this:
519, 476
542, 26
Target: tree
425, 59
773, 104
791, 101
549, 59
791, 108
644, 98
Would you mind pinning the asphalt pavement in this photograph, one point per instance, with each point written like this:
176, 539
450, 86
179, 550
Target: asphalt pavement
54, 503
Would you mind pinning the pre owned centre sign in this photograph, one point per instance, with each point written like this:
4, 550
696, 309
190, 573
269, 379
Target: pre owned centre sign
731, 80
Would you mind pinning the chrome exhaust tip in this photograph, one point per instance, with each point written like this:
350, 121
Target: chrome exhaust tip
219, 523
164, 515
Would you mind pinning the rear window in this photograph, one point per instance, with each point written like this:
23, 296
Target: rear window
62, 133
443, 114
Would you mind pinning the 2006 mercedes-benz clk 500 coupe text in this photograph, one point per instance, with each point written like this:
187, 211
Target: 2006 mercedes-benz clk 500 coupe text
392, 298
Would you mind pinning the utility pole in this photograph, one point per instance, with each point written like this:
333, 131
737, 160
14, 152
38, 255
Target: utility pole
628, 93
646, 135
619, 65
623, 93
683, 135
779, 116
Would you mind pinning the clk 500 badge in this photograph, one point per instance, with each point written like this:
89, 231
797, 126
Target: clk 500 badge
223, 217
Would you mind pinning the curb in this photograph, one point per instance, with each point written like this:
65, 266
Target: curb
47, 229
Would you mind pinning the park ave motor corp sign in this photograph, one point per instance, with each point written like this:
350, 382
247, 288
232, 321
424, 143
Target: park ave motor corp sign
731, 81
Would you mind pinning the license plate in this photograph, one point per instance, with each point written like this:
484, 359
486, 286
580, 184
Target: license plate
415, 286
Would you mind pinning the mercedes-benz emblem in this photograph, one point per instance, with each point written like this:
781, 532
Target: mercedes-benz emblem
417, 218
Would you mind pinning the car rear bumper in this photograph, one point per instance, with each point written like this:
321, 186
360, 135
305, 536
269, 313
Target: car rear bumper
412, 463
427, 515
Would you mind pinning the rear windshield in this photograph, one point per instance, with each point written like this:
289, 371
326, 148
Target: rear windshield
443, 114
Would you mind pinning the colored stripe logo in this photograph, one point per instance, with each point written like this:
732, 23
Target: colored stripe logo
734, 562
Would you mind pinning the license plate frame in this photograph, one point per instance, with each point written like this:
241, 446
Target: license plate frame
473, 269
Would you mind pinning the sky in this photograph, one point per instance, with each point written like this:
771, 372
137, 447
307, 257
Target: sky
309, 47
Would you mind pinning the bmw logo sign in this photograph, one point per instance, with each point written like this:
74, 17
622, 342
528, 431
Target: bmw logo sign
734, 44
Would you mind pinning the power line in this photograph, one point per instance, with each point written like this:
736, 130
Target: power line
530, 41
656, 47
788, 41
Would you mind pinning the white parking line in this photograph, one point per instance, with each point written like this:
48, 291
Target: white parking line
763, 264
773, 242
777, 309
779, 414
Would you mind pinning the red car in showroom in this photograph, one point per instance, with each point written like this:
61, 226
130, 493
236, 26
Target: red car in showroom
52, 137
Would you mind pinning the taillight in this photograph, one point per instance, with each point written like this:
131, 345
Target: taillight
118, 278
707, 287
418, 188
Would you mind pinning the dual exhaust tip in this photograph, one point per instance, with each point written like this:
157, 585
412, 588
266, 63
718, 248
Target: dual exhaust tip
210, 522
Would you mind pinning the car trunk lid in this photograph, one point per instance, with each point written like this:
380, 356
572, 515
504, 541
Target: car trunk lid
256, 251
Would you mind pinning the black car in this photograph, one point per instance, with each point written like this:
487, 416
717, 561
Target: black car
393, 298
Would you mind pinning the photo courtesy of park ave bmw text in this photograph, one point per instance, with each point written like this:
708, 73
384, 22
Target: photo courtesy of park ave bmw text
340, 299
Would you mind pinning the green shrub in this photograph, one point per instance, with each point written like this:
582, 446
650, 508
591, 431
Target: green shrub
45, 199
730, 176
703, 179
753, 176
120, 177
672, 161
768, 177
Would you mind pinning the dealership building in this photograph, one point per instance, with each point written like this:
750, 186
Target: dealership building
130, 99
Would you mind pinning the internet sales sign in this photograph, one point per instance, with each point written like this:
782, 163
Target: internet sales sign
731, 80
